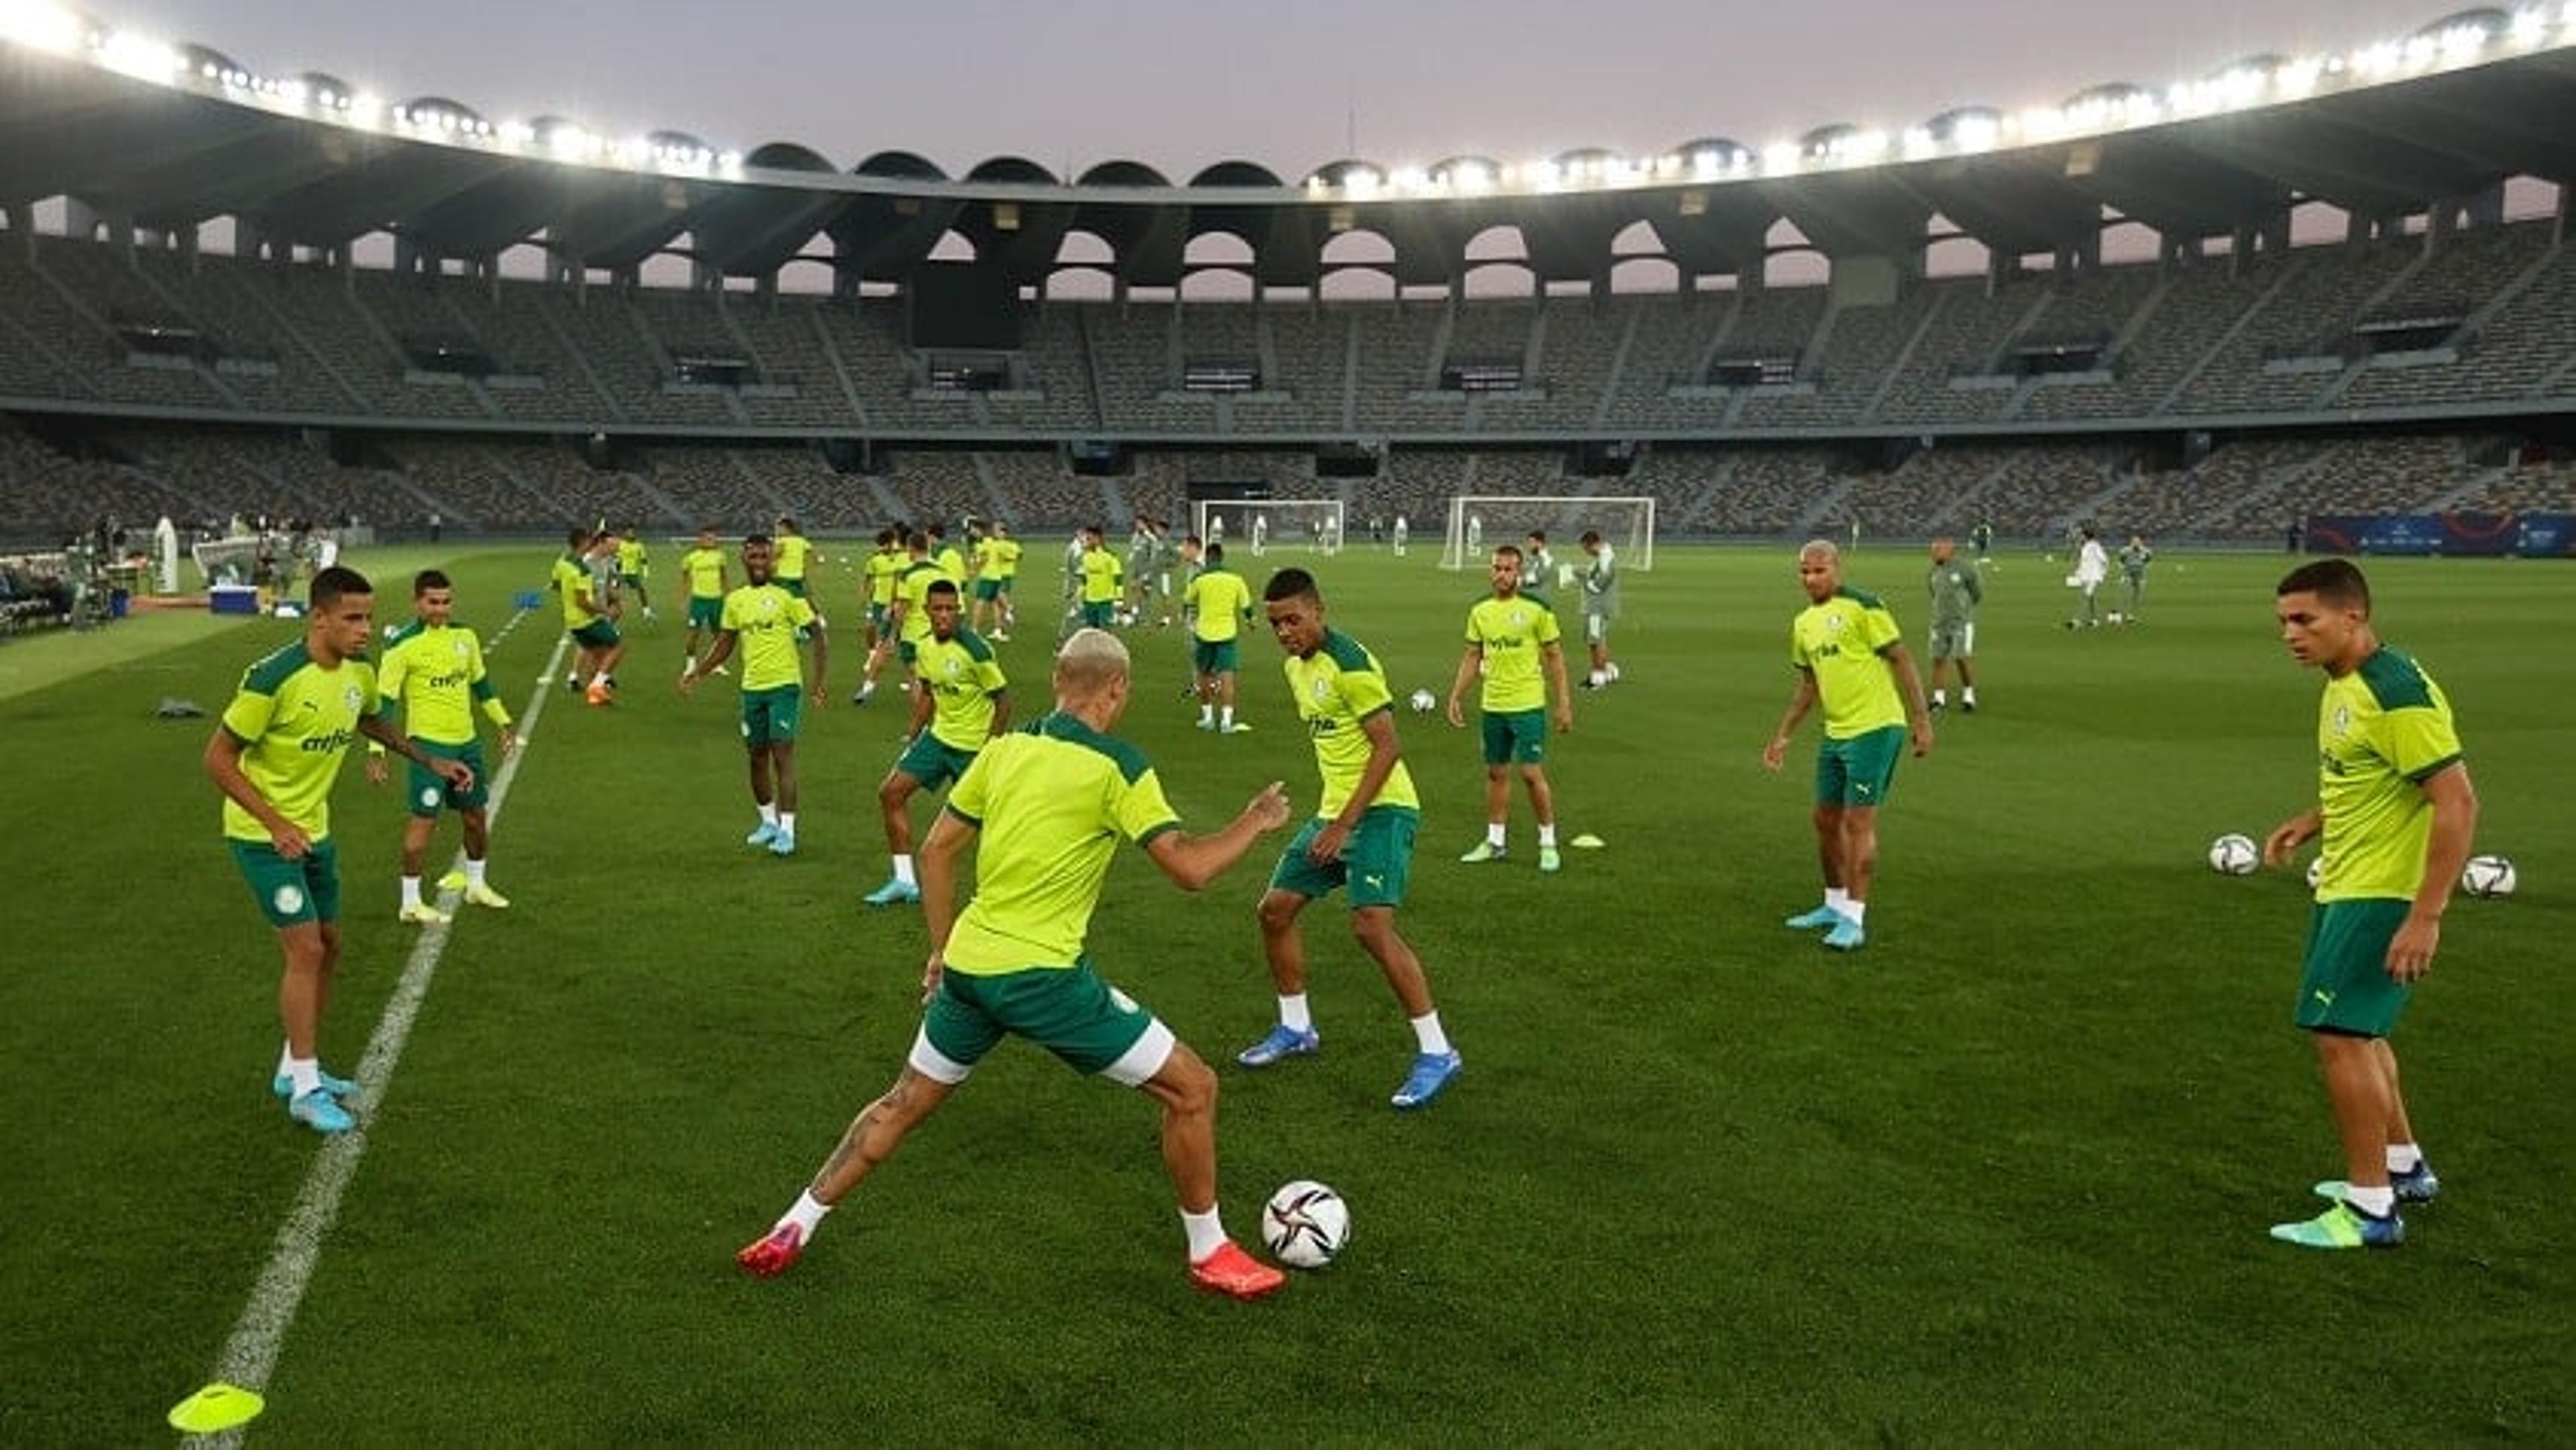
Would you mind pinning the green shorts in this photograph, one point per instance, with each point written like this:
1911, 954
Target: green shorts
1069, 1011
933, 761
1376, 859
1954, 641
2345, 987
1515, 736
1103, 615
1596, 628
631, 581
877, 616
598, 634
769, 716
706, 613
988, 588
429, 792
291, 892
1213, 656
1859, 771
1002, 586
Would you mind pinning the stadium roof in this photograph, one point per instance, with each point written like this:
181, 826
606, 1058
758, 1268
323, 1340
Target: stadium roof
169, 138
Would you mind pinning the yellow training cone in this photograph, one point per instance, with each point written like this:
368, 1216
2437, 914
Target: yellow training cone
216, 1408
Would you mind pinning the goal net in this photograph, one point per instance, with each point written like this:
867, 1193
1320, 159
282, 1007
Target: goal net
1251, 526
1480, 523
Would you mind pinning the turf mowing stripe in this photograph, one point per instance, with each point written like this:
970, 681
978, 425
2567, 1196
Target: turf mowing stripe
250, 1352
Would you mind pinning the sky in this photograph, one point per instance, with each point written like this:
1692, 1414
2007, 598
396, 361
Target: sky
1181, 84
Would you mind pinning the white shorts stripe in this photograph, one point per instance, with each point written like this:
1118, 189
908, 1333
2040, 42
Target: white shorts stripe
933, 1064
1145, 1059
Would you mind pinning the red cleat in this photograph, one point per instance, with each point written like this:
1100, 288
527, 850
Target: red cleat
1231, 1271
769, 1257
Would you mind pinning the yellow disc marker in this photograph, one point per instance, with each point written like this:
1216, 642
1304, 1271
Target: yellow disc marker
1586, 842
216, 1408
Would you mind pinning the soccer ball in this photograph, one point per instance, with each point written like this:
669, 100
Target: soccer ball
1305, 1224
1423, 701
2316, 872
2234, 855
2489, 876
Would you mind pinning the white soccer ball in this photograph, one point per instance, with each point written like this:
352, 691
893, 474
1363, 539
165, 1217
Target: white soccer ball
2234, 855
2489, 876
1305, 1224
1423, 702
2316, 872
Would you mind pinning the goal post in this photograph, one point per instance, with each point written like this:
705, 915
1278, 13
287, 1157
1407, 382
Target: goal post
1482, 522
1253, 526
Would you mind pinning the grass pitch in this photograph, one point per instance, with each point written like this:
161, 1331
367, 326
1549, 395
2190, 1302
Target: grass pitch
2002, 1176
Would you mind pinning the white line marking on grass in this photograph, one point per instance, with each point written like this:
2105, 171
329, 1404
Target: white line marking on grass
250, 1353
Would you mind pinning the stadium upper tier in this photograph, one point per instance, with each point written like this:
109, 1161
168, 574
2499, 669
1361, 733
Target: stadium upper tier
2476, 322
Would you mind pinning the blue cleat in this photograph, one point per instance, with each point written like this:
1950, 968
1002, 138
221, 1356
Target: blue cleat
782, 843
1431, 1072
339, 1087
762, 835
1283, 1041
2418, 1185
321, 1112
2343, 1226
893, 891
1810, 920
1846, 936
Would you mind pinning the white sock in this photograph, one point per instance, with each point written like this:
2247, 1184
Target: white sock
2404, 1157
1968, 694
768, 814
1293, 1014
286, 1060
473, 872
2378, 1202
1856, 909
1942, 697
808, 1213
1426, 1031
1226, 717
1206, 1231
867, 688
903, 870
787, 823
411, 892
1838, 899
307, 1072
1207, 714
1494, 835
1546, 836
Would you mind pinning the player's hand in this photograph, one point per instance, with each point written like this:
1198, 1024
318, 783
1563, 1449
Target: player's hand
821, 696
2410, 952
377, 772
930, 973
1922, 737
1457, 717
455, 772
1269, 810
689, 683
1775, 752
1326, 848
290, 841
2287, 837
1564, 719
509, 740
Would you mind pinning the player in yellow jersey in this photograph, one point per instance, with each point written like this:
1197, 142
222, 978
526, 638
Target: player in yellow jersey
908, 622
986, 619
1361, 836
959, 701
1851, 659
1513, 641
794, 553
1218, 604
1045, 809
1097, 568
433, 669
587, 616
2398, 813
1006, 558
275, 757
885, 565
704, 567
634, 562
768, 621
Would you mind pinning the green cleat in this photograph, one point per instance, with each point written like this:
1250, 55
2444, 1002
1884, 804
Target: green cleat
2417, 1186
2343, 1227
1485, 851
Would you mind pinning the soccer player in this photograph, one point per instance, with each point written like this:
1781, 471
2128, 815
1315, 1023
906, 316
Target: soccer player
1402, 532
950, 559
1538, 570
1982, 539
633, 563
1361, 837
1851, 658
433, 667
1100, 581
1514, 643
794, 553
586, 617
2135, 556
1600, 606
1048, 806
1956, 593
960, 703
987, 563
275, 756
2398, 812
1260, 534
1218, 604
769, 621
705, 568
908, 621
2092, 566
1006, 554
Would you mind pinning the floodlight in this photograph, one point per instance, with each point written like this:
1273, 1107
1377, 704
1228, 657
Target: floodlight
129, 54
39, 25
2528, 26
1974, 134
1409, 178
1472, 177
1781, 156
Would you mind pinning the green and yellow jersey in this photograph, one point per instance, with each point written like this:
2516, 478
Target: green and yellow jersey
1337, 689
951, 563
1220, 604
295, 720
571, 581
437, 677
914, 589
1071, 793
763, 619
884, 571
963, 677
706, 571
792, 552
988, 560
1512, 633
2382, 731
630, 558
1006, 556
1100, 576
1842, 643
